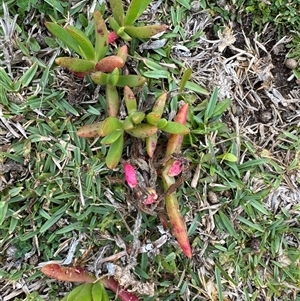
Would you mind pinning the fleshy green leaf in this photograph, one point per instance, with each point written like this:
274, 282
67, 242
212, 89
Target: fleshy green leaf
145, 32
109, 125
153, 118
112, 100
119, 30
127, 124
178, 224
137, 117
176, 128
162, 123
142, 130
82, 292
131, 80
112, 137
62, 34
90, 130
117, 10
130, 100
109, 63
102, 78
99, 292
84, 44
123, 53
75, 64
151, 143
114, 153
101, 34
114, 77
159, 104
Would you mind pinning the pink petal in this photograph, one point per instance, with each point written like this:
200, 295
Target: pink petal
175, 169
152, 197
130, 175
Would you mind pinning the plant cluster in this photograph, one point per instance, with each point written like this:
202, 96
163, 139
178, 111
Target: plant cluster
107, 71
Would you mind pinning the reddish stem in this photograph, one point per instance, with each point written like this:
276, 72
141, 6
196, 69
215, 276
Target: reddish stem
113, 285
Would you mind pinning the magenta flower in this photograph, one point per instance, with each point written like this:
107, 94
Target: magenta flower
175, 169
130, 175
152, 197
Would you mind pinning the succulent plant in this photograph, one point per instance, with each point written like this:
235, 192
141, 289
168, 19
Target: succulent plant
136, 124
91, 289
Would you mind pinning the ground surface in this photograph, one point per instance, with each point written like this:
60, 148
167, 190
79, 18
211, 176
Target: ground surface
242, 216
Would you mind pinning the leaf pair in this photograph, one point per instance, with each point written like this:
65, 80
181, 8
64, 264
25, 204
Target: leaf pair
91, 290
88, 292
92, 56
122, 24
77, 40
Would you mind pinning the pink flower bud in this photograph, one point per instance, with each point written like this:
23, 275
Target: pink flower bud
175, 169
112, 36
130, 175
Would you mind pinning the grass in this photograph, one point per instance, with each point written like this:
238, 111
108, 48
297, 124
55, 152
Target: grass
239, 200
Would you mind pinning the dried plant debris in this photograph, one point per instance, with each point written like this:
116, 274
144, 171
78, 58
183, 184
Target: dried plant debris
246, 75
11, 173
127, 280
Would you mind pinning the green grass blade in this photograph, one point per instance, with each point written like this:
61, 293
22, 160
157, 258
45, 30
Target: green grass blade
27, 77
3, 210
211, 106
5, 80
228, 225
196, 88
221, 107
185, 77
250, 224
51, 222
219, 283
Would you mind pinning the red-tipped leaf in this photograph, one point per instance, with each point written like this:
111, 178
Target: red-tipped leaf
175, 141
70, 274
109, 63
178, 224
